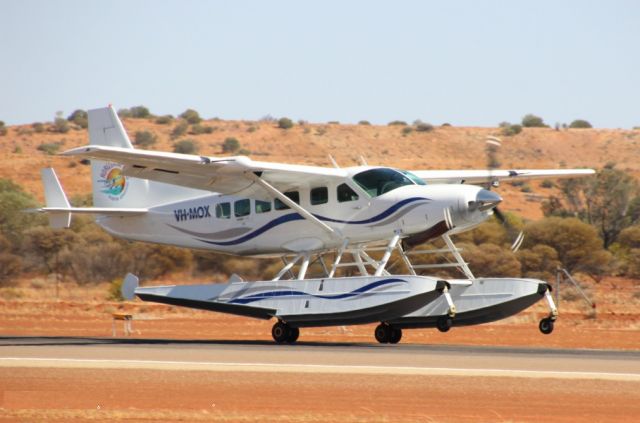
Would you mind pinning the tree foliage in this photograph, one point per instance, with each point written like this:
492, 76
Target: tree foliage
609, 201
577, 244
533, 121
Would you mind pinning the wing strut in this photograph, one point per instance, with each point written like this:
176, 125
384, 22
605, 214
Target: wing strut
303, 212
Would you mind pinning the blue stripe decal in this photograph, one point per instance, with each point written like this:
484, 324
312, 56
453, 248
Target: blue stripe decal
279, 221
290, 293
386, 213
296, 216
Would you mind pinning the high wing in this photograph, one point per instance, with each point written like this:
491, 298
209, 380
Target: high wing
484, 176
228, 175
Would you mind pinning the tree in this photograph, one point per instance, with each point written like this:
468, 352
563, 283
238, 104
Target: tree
533, 121
145, 138
79, 117
139, 112
285, 123
580, 123
10, 264
191, 116
539, 262
13, 220
491, 260
230, 145
610, 201
185, 146
576, 243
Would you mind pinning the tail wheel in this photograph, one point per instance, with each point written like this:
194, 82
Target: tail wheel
444, 324
396, 335
546, 326
383, 333
280, 332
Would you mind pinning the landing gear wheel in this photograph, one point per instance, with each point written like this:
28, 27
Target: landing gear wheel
294, 333
546, 326
444, 324
396, 335
281, 332
383, 333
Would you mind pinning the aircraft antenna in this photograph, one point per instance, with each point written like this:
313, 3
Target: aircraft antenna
333, 162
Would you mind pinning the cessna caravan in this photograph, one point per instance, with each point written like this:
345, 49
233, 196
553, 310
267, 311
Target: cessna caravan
303, 214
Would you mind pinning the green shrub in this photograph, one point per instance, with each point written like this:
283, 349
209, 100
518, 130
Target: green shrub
115, 290
191, 116
244, 152
60, 125
3, 131
1, 123
533, 121
164, 120
547, 183
50, 148
446, 124
580, 123
525, 188
79, 117
139, 112
424, 127
252, 129
333, 122
230, 145
185, 146
145, 138
397, 123
198, 129
179, 130
406, 131
38, 127
285, 123
364, 122
510, 130
17, 150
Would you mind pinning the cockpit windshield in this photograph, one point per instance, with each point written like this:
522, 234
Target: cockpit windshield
382, 180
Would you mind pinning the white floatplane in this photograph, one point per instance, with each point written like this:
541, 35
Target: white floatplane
239, 206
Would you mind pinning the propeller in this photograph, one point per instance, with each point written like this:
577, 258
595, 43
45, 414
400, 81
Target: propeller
493, 145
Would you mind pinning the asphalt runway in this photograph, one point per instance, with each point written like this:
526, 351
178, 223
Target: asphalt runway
330, 358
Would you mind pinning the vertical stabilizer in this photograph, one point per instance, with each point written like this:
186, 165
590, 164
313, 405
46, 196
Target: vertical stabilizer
111, 188
55, 198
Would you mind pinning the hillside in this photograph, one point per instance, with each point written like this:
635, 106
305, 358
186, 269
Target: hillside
442, 148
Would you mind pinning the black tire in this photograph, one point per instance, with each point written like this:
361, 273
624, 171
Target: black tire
383, 333
294, 333
396, 335
546, 326
280, 332
444, 324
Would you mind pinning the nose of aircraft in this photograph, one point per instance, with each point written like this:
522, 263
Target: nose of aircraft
485, 200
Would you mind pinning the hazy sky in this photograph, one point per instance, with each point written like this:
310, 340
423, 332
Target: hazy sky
463, 62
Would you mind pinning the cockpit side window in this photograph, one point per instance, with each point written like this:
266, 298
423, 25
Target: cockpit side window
376, 182
345, 193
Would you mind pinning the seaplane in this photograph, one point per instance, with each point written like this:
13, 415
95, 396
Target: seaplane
348, 222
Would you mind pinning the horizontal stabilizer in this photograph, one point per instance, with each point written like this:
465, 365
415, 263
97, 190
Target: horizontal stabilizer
107, 211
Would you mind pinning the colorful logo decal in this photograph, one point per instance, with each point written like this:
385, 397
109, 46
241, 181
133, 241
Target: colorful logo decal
114, 183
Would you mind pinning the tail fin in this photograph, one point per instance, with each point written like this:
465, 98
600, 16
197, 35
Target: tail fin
111, 188
55, 198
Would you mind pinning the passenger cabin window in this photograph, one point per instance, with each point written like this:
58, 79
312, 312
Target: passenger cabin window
223, 210
345, 193
293, 195
263, 206
380, 181
319, 195
242, 208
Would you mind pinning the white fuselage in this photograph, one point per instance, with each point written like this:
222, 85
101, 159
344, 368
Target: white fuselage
241, 226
